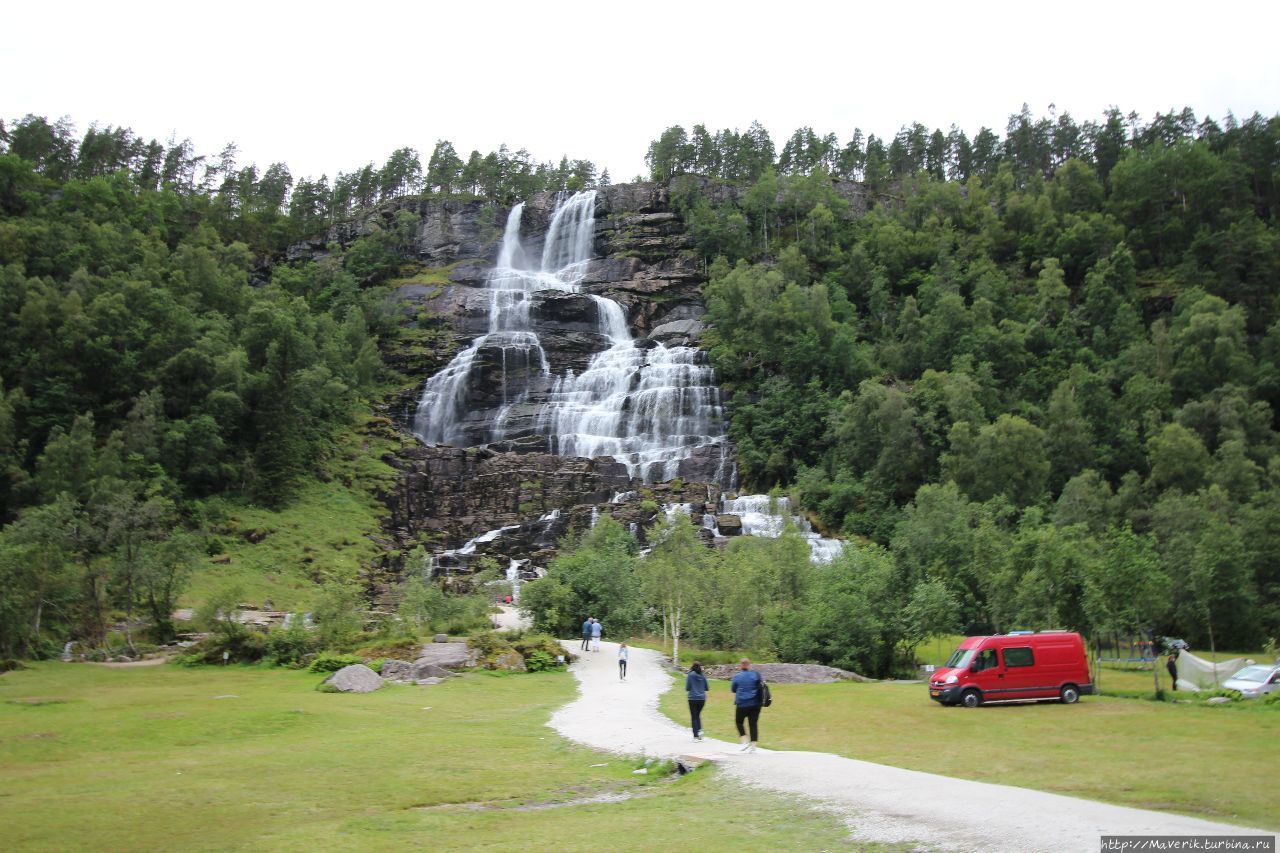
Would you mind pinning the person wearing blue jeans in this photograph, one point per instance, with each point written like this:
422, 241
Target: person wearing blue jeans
748, 699
695, 685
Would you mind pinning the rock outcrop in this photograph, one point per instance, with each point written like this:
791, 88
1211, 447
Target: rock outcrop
789, 673
401, 670
446, 656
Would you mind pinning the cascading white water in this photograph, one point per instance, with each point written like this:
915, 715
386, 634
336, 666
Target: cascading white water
648, 407
765, 516
513, 578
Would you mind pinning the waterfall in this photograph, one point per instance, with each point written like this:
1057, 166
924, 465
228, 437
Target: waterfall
513, 577
649, 406
762, 515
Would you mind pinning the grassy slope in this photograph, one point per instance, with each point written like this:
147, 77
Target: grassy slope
323, 533
1210, 762
171, 758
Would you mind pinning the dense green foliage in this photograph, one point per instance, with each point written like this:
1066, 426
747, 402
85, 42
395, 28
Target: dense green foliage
1032, 362
153, 357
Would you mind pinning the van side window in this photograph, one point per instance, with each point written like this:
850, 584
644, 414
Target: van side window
986, 659
1019, 657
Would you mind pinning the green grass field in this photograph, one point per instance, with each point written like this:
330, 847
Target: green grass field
1212, 762
165, 758
281, 556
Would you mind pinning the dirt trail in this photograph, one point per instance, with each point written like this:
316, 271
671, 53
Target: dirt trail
878, 803
510, 618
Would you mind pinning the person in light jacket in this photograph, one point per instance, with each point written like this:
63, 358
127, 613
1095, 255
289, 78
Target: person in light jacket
695, 685
748, 699
623, 654
596, 630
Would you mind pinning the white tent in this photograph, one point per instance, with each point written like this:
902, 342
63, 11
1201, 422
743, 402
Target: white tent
1196, 673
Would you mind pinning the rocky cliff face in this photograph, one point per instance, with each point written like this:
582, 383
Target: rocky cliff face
446, 496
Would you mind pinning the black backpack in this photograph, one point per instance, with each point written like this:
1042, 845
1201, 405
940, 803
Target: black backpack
766, 698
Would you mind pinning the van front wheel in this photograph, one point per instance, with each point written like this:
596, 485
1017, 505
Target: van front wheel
1069, 694
971, 698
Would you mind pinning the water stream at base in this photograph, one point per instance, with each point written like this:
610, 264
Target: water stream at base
764, 516
649, 407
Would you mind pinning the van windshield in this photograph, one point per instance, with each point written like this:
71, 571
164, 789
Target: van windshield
960, 658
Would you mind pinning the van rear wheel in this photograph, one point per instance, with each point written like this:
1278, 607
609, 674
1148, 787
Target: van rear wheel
971, 698
1069, 694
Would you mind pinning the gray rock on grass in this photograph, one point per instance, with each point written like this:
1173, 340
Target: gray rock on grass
402, 670
356, 678
447, 655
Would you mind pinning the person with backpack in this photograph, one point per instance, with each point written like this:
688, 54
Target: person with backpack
749, 694
695, 685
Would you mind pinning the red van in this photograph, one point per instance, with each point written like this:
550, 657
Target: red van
1012, 667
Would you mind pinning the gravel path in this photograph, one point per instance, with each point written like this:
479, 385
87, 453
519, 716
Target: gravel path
878, 803
510, 619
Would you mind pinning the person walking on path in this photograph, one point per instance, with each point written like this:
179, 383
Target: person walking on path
586, 632
1171, 664
748, 699
596, 630
695, 685
622, 662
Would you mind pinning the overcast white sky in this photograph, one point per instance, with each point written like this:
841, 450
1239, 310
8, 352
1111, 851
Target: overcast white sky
327, 86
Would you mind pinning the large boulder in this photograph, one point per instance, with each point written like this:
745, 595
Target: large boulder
356, 678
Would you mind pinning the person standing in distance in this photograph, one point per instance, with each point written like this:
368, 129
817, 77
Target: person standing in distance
623, 654
596, 630
748, 699
586, 632
695, 685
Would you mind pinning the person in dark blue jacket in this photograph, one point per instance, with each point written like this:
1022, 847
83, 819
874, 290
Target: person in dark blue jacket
586, 632
695, 684
748, 699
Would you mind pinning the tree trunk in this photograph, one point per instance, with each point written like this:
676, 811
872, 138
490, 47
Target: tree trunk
1213, 650
35, 628
675, 640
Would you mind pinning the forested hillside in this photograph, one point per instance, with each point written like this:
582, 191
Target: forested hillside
1036, 378
1043, 370
154, 355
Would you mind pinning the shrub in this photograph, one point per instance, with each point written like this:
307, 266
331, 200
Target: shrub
331, 662
406, 649
1271, 700
540, 661
531, 644
290, 646
339, 615
240, 647
1233, 695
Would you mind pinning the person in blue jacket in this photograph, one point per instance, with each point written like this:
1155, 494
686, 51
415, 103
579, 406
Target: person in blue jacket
586, 632
748, 699
695, 684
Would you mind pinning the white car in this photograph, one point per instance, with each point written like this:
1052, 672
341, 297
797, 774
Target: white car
1255, 681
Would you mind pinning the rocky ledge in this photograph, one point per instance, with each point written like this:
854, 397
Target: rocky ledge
789, 673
